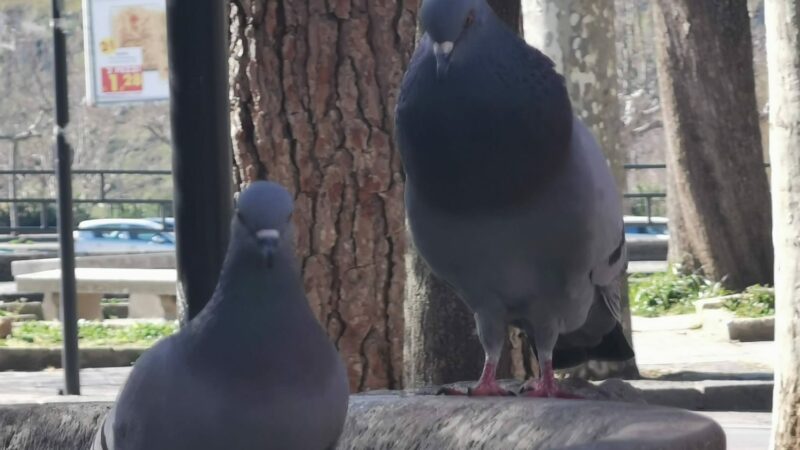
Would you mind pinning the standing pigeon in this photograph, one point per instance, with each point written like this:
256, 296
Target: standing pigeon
508, 196
254, 370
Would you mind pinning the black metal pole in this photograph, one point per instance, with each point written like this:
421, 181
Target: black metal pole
63, 160
201, 158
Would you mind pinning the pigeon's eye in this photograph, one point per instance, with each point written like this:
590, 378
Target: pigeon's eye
470, 19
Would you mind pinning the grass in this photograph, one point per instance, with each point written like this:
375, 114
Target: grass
672, 292
755, 301
90, 334
20, 241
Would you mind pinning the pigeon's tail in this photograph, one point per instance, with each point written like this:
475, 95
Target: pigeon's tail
601, 339
612, 347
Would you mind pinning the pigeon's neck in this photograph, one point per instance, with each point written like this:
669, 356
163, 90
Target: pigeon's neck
246, 278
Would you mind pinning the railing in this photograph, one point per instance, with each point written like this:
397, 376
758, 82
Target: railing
647, 196
102, 198
163, 204
650, 196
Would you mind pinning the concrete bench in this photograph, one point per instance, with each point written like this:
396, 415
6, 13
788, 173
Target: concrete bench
152, 291
153, 260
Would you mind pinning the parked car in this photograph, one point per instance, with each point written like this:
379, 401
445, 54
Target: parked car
169, 222
648, 239
122, 236
644, 227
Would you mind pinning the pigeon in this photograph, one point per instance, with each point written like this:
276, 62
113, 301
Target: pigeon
253, 370
509, 198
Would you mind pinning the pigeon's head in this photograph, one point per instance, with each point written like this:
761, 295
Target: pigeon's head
264, 211
446, 22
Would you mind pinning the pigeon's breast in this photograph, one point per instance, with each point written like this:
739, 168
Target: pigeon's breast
473, 141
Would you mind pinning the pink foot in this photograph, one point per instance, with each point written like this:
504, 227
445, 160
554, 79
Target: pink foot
488, 389
487, 386
546, 386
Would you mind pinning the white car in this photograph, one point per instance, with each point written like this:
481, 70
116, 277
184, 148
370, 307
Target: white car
121, 236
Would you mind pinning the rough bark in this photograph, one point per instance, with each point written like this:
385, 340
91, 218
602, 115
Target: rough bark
580, 38
714, 149
441, 344
313, 88
783, 55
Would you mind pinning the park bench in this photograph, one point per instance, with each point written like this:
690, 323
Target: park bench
152, 291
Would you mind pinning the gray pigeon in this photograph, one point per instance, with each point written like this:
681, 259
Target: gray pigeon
254, 370
508, 196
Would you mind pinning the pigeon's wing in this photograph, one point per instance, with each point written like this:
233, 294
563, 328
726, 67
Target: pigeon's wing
140, 400
608, 245
104, 437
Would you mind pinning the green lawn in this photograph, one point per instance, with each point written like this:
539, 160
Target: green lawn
90, 334
672, 292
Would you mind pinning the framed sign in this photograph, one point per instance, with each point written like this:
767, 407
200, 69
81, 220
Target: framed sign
125, 47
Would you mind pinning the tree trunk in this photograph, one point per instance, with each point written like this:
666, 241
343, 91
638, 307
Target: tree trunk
580, 38
441, 344
707, 88
313, 89
783, 54
510, 11
679, 254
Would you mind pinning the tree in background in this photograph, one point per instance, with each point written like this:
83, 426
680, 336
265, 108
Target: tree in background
313, 88
579, 37
134, 136
783, 53
721, 194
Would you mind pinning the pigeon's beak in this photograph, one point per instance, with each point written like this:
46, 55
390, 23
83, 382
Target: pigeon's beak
442, 52
268, 240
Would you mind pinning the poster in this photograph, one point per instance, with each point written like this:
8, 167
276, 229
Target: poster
126, 51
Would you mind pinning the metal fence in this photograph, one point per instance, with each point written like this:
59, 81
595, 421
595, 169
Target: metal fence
102, 198
647, 197
165, 204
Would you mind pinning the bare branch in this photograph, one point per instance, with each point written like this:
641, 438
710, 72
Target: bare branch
158, 133
30, 132
647, 127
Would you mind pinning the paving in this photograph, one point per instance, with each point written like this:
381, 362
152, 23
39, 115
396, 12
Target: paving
744, 431
647, 266
672, 346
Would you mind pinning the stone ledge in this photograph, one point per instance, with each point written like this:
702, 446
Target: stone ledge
37, 358
752, 330
401, 421
425, 422
708, 395
705, 395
